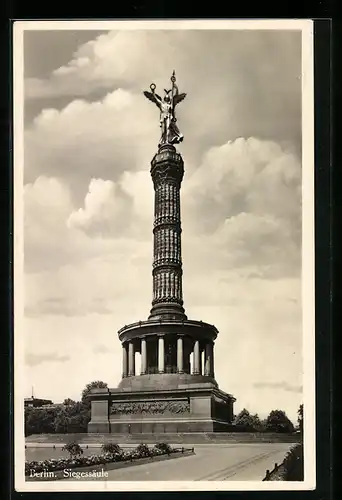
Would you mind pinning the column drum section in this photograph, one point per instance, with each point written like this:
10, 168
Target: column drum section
167, 170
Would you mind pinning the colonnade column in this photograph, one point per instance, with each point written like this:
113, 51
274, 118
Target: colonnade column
143, 356
196, 358
180, 355
131, 360
200, 370
161, 354
209, 359
212, 369
206, 360
124, 360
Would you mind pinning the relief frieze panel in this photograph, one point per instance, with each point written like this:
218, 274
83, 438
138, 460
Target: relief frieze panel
150, 407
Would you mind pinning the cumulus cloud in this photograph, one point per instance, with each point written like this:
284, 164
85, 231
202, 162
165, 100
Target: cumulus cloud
66, 307
278, 385
100, 349
103, 204
85, 140
58, 234
235, 94
248, 195
94, 251
36, 359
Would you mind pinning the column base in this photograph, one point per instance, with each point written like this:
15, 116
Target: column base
167, 311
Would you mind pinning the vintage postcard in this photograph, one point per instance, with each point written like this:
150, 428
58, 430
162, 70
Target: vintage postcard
164, 255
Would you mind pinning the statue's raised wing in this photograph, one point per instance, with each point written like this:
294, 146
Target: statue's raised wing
153, 97
178, 98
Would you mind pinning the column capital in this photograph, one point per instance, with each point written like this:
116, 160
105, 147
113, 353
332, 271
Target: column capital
161, 335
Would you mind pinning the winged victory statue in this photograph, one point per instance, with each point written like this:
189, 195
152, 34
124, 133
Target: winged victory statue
170, 133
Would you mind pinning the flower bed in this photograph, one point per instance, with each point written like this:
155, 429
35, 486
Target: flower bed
141, 451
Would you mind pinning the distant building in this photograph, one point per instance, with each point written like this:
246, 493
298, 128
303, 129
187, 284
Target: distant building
36, 402
51, 405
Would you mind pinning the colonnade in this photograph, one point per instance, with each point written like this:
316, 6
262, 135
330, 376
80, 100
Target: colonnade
205, 367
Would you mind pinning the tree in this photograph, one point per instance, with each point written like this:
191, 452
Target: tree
97, 384
278, 421
40, 420
78, 416
300, 414
68, 402
263, 425
61, 422
247, 422
30, 422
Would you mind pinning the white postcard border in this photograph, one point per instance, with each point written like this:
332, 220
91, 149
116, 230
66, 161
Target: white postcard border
308, 248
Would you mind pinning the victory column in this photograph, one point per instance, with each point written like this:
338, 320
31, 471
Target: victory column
169, 394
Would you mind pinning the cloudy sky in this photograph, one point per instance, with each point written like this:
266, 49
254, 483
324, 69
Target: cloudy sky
89, 137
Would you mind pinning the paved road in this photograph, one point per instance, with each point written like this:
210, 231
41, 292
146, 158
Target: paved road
224, 462
211, 462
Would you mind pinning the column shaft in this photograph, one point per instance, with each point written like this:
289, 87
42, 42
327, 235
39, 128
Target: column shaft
167, 170
209, 356
196, 358
131, 360
124, 361
212, 367
207, 360
143, 357
180, 355
161, 355
200, 370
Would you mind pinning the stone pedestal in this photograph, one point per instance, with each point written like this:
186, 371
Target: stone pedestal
182, 409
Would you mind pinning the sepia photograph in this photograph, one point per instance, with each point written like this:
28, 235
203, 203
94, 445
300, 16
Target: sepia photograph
164, 255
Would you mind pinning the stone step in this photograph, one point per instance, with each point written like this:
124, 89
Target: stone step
191, 438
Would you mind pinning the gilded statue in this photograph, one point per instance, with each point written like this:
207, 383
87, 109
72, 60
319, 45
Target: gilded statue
170, 133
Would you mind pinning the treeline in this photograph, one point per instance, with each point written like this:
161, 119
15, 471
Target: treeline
277, 421
72, 417
69, 417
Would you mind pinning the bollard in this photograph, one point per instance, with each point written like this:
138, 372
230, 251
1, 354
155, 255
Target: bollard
182, 449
